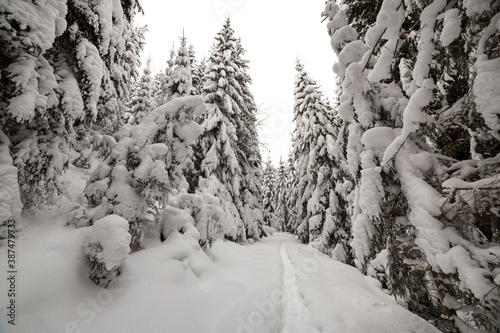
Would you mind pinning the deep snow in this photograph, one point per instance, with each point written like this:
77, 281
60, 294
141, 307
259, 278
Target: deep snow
275, 285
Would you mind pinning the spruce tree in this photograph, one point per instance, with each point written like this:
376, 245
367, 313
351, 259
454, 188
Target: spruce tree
144, 168
292, 195
228, 149
195, 72
181, 79
199, 77
142, 98
249, 156
280, 198
410, 110
217, 148
60, 80
165, 81
269, 194
316, 166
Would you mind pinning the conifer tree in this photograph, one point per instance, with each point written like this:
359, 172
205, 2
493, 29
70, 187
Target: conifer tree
249, 156
314, 133
164, 80
181, 80
145, 166
292, 196
281, 193
217, 147
60, 80
195, 72
229, 129
199, 77
142, 98
269, 194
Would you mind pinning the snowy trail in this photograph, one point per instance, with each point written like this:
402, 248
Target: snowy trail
295, 317
276, 285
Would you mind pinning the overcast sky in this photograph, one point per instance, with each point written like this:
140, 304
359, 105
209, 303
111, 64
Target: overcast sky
274, 33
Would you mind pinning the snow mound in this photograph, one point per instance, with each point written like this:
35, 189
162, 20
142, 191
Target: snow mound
174, 219
268, 231
107, 246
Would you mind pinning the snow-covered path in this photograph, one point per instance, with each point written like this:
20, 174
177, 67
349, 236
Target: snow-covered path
295, 316
274, 286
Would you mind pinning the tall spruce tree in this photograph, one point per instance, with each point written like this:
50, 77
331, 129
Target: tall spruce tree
142, 98
217, 148
269, 194
195, 72
181, 82
280, 197
313, 134
199, 77
292, 195
249, 156
165, 80
228, 149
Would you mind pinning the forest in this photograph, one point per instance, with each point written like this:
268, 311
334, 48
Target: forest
398, 177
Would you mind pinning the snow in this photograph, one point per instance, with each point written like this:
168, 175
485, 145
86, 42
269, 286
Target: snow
379, 138
111, 232
341, 36
40, 23
277, 284
355, 81
477, 6
353, 52
451, 27
487, 93
274, 284
362, 232
472, 276
188, 132
382, 69
23, 74
174, 219
453, 183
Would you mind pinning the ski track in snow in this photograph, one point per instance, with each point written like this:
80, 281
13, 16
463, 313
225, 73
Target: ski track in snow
295, 316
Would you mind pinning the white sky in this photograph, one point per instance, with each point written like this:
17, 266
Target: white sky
274, 33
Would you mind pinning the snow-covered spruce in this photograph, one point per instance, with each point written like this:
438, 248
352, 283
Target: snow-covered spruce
413, 117
67, 66
10, 198
141, 102
106, 247
177, 80
280, 196
144, 168
228, 147
181, 81
163, 81
291, 199
317, 205
269, 194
